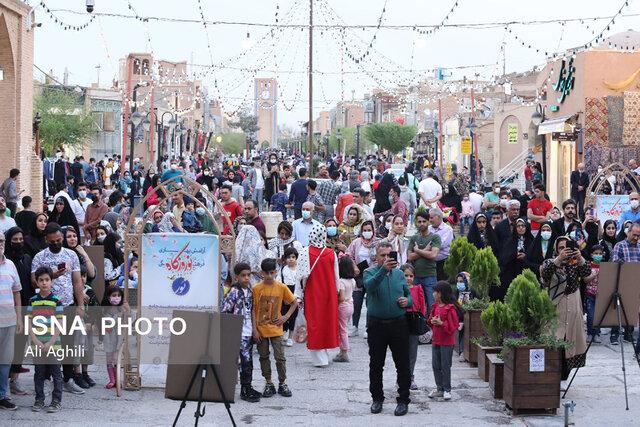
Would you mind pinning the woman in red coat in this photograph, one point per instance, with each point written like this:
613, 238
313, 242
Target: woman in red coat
318, 268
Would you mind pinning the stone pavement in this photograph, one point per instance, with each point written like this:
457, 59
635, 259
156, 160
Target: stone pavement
338, 395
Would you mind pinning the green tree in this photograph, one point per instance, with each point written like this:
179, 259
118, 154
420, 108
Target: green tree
247, 122
484, 272
64, 122
392, 136
348, 136
233, 143
532, 308
461, 257
497, 319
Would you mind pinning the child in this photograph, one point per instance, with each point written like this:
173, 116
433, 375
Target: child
346, 284
443, 319
289, 277
115, 306
597, 254
268, 296
90, 319
496, 217
279, 201
462, 294
419, 305
466, 217
190, 222
239, 300
47, 305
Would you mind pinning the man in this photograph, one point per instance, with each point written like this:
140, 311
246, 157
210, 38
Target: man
476, 198
10, 321
256, 184
320, 208
528, 174
94, 213
538, 208
90, 171
445, 232
233, 208
492, 199
9, 190
359, 199
67, 284
424, 247
430, 191
632, 176
80, 206
302, 226
633, 213
77, 169
329, 191
172, 172
505, 228
579, 184
252, 217
6, 222
177, 199
26, 218
407, 195
298, 194
568, 222
626, 250
63, 191
387, 298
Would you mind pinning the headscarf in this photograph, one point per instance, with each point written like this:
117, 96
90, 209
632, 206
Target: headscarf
318, 236
484, 239
112, 219
250, 249
622, 235
9, 252
382, 193
277, 245
534, 254
317, 239
66, 217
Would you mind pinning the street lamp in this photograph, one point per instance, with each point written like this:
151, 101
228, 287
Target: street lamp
134, 121
537, 118
339, 138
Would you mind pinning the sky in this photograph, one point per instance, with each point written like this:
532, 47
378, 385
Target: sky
396, 56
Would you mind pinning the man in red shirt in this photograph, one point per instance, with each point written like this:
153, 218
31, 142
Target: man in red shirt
230, 205
538, 208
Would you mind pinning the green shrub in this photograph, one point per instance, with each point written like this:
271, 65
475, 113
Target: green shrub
497, 319
532, 308
461, 257
484, 272
476, 304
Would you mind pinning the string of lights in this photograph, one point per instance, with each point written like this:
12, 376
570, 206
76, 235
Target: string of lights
359, 58
444, 20
66, 26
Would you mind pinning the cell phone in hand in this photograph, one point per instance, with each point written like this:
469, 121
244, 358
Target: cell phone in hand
393, 255
62, 266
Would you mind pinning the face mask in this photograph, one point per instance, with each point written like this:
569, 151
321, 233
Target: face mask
626, 230
174, 167
115, 300
332, 231
100, 238
600, 170
466, 199
496, 190
388, 226
367, 234
17, 247
572, 235
634, 204
82, 194
306, 214
596, 258
461, 286
546, 235
55, 247
206, 173
151, 175
134, 276
200, 211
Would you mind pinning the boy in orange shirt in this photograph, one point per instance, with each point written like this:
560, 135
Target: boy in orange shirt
268, 296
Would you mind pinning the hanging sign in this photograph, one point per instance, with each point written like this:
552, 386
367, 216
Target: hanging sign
465, 145
512, 133
611, 206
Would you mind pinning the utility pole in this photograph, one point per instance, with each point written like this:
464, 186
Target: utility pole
473, 117
310, 127
358, 145
440, 152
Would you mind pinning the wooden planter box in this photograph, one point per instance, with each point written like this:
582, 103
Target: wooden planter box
472, 329
526, 390
483, 362
496, 375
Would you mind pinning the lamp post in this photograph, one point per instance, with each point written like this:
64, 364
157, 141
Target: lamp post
37, 119
177, 144
472, 127
537, 118
339, 138
358, 145
134, 121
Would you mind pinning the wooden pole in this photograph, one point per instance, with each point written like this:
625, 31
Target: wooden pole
473, 116
310, 127
440, 153
127, 108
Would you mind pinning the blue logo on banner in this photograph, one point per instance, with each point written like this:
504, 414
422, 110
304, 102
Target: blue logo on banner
180, 286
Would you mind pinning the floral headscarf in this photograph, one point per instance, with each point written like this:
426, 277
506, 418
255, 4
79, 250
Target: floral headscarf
250, 249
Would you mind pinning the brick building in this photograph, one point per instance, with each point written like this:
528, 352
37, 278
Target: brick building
16, 97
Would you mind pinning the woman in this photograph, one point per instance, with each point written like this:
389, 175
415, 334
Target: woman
382, 193
35, 241
562, 275
70, 241
63, 214
608, 240
133, 273
555, 214
512, 258
124, 184
153, 198
113, 258
481, 234
250, 248
622, 235
272, 180
148, 180
365, 184
206, 178
541, 249
397, 238
350, 228
363, 252
14, 250
385, 226
318, 267
334, 240
101, 234
284, 240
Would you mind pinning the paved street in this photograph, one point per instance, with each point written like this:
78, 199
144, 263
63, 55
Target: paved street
338, 395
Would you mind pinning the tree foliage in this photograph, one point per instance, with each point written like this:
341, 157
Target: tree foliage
484, 272
64, 122
497, 319
532, 308
392, 136
461, 257
348, 137
233, 143
247, 122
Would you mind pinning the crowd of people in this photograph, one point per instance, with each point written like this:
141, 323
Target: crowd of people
355, 232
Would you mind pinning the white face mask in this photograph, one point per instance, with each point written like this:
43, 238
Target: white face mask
496, 190
546, 235
115, 300
634, 204
174, 166
82, 194
388, 226
367, 234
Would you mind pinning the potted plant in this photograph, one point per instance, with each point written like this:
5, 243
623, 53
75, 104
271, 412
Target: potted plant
532, 356
484, 273
461, 257
497, 320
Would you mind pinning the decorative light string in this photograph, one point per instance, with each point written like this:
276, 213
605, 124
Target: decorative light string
64, 25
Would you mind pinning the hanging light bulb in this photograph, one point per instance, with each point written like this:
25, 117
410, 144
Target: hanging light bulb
246, 43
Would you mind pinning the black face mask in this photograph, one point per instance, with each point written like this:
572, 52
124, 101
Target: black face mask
55, 247
17, 247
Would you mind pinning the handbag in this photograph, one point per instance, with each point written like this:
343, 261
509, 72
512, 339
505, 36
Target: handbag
417, 323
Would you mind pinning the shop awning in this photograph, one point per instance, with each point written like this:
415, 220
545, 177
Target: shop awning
553, 125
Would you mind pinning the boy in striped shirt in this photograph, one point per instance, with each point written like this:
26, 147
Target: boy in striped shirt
47, 305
